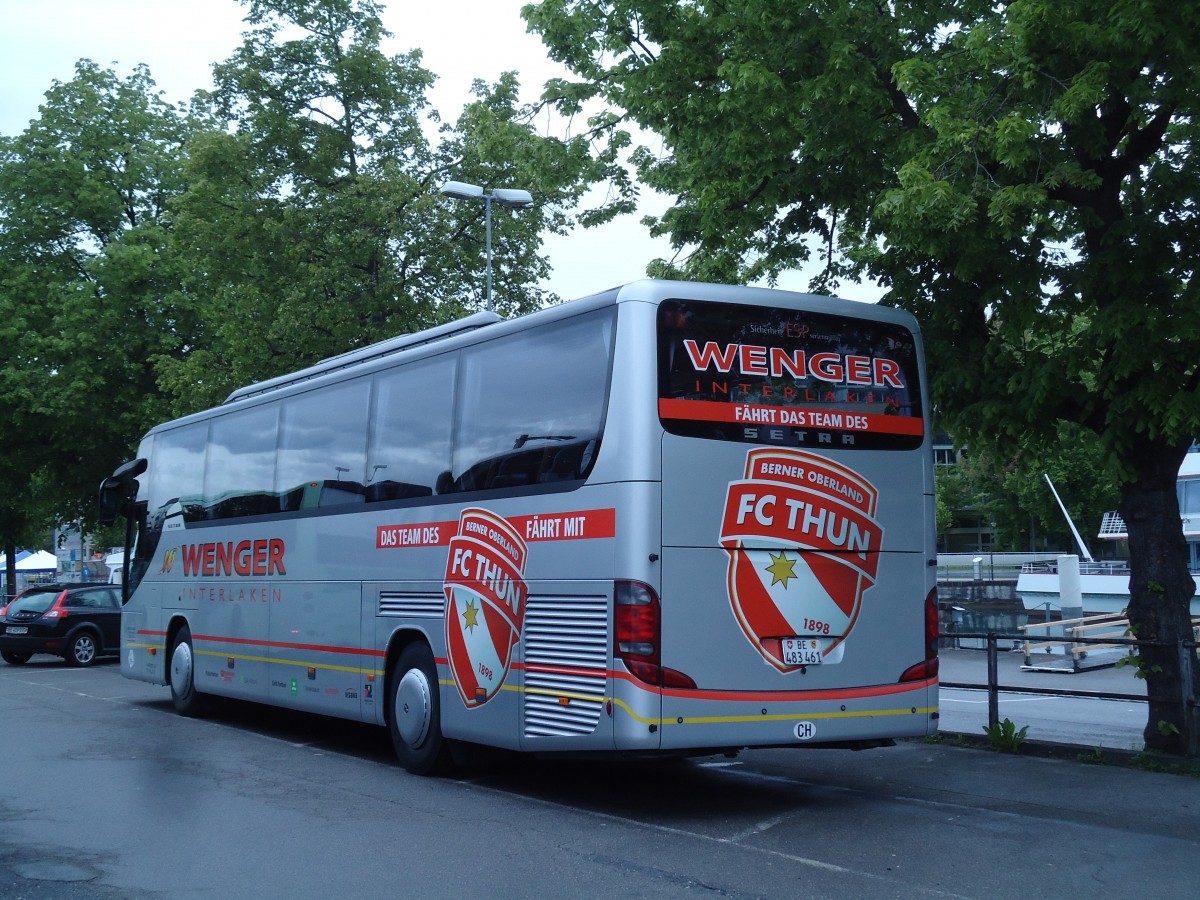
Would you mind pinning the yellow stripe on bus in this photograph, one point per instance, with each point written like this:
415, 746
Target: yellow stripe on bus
593, 698
793, 716
288, 662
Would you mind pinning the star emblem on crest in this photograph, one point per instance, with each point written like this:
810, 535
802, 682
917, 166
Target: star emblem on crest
782, 569
470, 616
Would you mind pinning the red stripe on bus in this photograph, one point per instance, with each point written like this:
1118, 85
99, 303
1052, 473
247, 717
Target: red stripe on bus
561, 670
572, 525
699, 694
576, 525
762, 415
284, 645
879, 690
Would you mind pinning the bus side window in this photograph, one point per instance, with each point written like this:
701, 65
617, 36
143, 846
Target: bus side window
531, 404
239, 473
396, 490
322, 447
410, 430
565, 465
176, 482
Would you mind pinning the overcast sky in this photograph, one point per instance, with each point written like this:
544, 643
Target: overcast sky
179, 40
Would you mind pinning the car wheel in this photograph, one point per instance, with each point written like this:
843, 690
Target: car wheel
15, 659
83, 649
415, 713
182, 676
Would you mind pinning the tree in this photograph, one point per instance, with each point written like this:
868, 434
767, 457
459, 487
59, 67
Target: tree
23, 516
24, 519
1076, 467
313, 219
290, 215
1010, 491
83, 285
1022, 176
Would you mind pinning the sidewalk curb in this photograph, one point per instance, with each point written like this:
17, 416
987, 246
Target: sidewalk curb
1080, 753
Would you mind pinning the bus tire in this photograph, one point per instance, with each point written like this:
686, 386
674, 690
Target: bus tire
415, 712
182, 675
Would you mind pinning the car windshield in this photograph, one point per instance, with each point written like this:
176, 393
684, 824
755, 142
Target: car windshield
37, 601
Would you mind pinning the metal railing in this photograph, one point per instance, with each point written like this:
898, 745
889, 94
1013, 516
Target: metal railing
994, 688
984, 565
1086, 567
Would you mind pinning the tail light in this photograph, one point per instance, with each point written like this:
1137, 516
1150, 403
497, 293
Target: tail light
929, 668
56, 610
639, 636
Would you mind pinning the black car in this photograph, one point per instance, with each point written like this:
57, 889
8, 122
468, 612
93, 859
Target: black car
78, 622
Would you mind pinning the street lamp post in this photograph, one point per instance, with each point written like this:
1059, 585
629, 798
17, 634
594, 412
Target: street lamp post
510, 198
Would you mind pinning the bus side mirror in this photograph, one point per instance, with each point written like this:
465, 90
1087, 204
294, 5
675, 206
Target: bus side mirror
116, 489
111, 496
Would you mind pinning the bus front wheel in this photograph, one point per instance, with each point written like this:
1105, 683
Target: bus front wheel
416, 715
184, 695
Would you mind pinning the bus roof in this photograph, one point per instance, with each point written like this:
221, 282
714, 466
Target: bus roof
464, 331
373, 351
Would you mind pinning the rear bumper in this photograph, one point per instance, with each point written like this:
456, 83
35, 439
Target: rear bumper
699, 719
31, 643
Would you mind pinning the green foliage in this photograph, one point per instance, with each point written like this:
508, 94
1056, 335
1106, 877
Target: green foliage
1021, 176
1018, 175
312, 224
1005, 737
152, 258
1010, 491
1154, 762
1133, 659
1166, 728
943, 509
84, 288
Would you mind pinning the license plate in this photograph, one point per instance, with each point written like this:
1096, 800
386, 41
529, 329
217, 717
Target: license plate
801, 651
17, 629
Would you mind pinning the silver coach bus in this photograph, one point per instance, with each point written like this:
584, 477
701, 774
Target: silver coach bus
668, 518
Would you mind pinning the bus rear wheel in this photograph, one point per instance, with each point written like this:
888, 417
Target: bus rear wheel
415, 718
182, 675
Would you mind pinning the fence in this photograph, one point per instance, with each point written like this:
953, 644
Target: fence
983, 566
1187, 651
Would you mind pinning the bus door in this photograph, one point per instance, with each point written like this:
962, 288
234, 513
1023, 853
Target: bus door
141, 625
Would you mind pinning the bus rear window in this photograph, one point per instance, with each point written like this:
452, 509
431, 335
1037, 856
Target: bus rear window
768, 375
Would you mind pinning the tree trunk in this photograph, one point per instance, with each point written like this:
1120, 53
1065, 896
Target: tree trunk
10, 570
1160, 593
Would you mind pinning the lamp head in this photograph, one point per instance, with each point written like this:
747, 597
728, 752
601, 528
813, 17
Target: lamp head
460, 190
513, 198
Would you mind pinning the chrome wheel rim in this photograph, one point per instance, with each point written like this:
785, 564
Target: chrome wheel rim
85, 649
413, 707
181, 669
